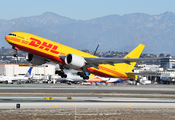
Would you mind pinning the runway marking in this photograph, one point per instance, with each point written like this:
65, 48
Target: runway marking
51, 98
69, 98
55, 106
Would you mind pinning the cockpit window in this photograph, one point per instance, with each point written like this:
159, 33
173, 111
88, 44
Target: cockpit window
12, 34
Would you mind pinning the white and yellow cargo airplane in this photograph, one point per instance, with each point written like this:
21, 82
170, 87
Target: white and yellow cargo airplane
41, 50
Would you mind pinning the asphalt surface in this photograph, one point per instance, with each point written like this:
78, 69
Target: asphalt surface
62, 88
9, 102
34, 96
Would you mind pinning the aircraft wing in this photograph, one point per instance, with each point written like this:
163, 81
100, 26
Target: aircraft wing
94, 62
116, 60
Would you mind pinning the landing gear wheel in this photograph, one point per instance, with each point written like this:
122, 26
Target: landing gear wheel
60, 73
86, 77
78, 73
15, 55
6, 82
64, 76
83, 75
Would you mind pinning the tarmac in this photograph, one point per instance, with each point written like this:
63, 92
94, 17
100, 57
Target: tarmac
44, 96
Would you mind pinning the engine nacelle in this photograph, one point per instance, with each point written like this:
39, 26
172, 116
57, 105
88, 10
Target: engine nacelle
34, 59
75, 61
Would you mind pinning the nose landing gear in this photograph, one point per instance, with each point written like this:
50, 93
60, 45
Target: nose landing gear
15, 53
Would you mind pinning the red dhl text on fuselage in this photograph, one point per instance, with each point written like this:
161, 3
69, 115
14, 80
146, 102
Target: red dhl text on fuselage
44, 45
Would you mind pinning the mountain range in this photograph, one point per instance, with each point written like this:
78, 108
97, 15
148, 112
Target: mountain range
113, 32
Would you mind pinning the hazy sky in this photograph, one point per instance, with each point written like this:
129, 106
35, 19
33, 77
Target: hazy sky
82, 9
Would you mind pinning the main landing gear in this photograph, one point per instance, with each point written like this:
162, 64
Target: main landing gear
61, 72
83, 75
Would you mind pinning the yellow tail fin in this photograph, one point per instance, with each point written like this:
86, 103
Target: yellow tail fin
133, 54
136, 52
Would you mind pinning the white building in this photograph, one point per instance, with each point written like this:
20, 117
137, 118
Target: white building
168, 63
15, 69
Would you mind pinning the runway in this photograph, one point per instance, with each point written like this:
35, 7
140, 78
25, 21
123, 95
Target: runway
62, 88
8, 102
117, 96
45, 105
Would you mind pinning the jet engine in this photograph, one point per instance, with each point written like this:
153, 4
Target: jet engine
34, 59
75, 61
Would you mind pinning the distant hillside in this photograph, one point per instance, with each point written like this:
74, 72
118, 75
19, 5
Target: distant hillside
114, 32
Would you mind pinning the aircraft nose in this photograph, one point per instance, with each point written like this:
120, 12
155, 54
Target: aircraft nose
6, 37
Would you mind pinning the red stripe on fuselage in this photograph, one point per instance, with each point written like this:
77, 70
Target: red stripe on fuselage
112, 71
41, 54
96, 72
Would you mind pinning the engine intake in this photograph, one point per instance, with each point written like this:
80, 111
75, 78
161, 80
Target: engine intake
75, 61
34, 59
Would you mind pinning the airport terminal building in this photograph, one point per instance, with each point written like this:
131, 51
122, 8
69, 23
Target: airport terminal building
168, 63
21, 69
